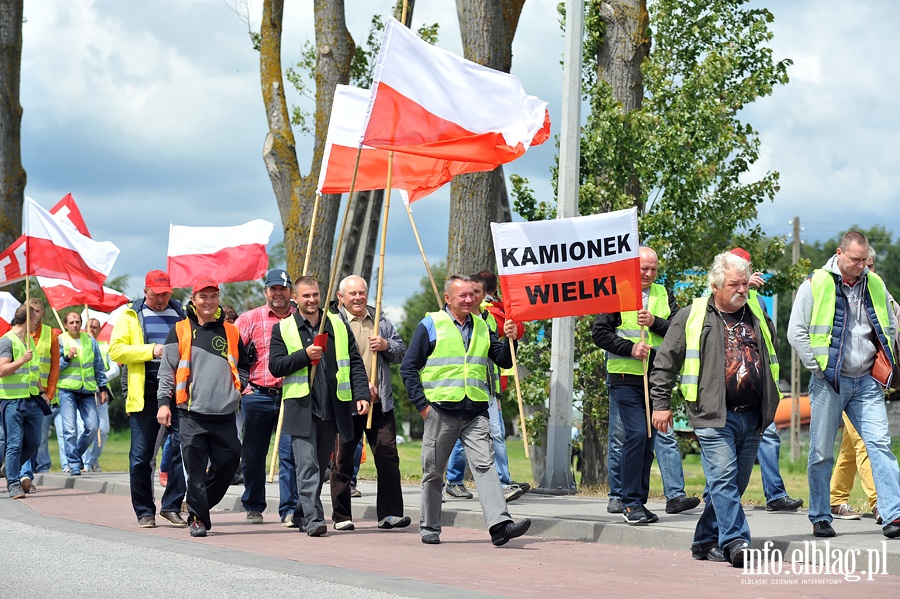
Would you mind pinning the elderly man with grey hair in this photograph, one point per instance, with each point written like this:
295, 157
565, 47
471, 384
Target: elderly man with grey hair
724, 349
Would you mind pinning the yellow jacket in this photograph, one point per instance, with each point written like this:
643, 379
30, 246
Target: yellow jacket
127, 347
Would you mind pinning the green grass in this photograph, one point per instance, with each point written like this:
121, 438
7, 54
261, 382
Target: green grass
115, 459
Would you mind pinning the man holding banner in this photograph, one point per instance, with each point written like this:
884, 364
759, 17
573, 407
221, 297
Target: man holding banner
724, 349
630, 340
445, 373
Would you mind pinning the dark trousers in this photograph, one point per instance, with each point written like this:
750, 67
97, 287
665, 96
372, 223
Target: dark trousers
214, 443
637, 449
144, 429
382, 438
260, 421
311, 456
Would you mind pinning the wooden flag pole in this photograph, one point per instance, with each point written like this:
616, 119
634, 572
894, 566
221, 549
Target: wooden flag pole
312, 371
646, 386
512, 349
373, 375
437, 295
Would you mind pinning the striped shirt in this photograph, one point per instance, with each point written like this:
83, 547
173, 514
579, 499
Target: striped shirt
156, 327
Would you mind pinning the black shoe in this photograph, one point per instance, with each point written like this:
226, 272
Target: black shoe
737, 553
713, 554
237, 479
431, 538
524, 486
823, 528
502, 533
784, 504
682, 503
318, 531
614, 506
651, 517
634, 515
197, 528
892, 530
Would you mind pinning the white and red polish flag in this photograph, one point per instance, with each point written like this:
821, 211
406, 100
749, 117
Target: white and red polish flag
107, 321
431, 102
56, 250
418, 176
569, 266
12, 259
227, 254
62, 294
8, 307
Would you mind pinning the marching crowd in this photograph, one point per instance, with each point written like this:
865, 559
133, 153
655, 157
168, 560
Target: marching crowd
216, 386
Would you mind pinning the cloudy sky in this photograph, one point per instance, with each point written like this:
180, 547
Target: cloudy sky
150, 113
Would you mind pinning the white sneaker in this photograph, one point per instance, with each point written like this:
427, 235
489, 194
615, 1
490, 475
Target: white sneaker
344, 525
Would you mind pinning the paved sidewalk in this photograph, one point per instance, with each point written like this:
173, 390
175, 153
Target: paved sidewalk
575, 518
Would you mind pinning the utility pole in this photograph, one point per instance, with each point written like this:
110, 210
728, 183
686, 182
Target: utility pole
795, 362
558, 476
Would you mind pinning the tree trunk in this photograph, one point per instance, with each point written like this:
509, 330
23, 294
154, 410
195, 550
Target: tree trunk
594, 470
12, 175
626, 43
487, 28
294, 192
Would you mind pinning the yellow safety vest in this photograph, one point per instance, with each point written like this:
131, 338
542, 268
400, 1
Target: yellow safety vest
296, 384
22, 383
80, 371
452, 372
690, 370
658, 305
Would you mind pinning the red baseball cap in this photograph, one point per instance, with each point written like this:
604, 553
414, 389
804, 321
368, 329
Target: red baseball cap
157, 281
741, 253
205, 283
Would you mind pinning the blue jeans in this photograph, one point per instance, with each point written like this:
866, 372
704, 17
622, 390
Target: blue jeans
165, 459
863, 400
456, 465
260, 421
22, 422
357, 458
769, 449
144, 429
637, 449
91, 457
668, 457
71, 402
41, 460
728, 454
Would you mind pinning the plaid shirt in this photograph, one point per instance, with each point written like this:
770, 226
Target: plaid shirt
256, 327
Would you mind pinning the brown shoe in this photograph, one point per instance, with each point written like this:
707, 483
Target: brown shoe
844, 512
174, 518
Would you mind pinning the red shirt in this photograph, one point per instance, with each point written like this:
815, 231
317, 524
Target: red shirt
256, 327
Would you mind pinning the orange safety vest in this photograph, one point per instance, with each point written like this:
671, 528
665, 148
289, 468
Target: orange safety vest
183, 373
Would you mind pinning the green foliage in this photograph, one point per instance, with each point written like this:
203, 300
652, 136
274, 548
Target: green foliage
362, 65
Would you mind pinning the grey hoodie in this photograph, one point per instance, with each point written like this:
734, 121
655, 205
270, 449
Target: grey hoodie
860, 344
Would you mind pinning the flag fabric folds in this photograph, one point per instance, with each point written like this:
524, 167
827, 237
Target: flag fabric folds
8, 307
62, 294
55, 250
107, 321
431, 102
569, 266
418, 176
12, 259
227, 254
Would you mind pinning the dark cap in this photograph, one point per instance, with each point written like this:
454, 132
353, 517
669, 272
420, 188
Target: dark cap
157, 281
741, 253
276, 276
205, 283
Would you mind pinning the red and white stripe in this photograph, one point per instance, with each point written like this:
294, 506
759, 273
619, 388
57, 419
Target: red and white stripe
8, 307
12, 259
58, 251
62, 294
227, 254
418, 176
431, 102
107, 321
563, 267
